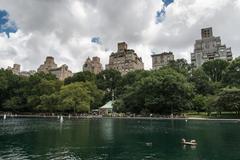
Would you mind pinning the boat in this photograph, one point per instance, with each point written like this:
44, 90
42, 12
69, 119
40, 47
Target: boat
192, 142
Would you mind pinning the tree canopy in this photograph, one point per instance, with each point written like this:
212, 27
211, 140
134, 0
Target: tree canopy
176, 88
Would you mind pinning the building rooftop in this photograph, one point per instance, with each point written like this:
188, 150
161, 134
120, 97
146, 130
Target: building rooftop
108, 105
164, 53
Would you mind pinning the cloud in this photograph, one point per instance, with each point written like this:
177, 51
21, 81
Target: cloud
70, 30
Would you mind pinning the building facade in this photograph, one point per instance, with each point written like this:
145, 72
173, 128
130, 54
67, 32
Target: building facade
161, 60
61, 72
93, 66
208, 48
27, 73
125, 60
50, 66
15, 69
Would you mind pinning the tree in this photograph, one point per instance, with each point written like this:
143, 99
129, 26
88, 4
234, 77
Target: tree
108, 81
13, 104
229, 100
181, 66
199, 103
130, 78
81, 77
50, 103
177, 93
76, 97
38, 88
215, 69
164, 91
232, 76
201, 82
211, 101
12, 95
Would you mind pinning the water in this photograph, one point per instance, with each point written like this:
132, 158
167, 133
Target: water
117, 139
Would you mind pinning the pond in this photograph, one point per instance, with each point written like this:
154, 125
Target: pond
118, 139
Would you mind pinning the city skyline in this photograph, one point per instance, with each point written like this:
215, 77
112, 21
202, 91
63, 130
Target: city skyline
71, 31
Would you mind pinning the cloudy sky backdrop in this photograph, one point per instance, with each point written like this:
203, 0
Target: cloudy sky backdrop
72, 30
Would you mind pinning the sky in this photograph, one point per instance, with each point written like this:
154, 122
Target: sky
72, 30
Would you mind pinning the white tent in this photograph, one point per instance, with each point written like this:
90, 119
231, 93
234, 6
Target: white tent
107, 108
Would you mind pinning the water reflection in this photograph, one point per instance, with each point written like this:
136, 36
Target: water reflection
116, 139
192, 147
107, 129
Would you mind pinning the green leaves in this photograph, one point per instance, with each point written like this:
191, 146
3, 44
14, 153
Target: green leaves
215, 69
75, 97
162, 91
172, 89
232, 76
85, 76
229, 100
202, 82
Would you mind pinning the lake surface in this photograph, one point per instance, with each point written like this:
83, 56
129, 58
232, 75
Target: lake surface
117, 139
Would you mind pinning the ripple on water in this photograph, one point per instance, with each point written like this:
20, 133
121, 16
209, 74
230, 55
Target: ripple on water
14, 152
116, 139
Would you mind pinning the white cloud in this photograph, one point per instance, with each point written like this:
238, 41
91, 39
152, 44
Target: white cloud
64, 28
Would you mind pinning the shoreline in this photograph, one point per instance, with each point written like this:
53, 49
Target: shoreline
105, 117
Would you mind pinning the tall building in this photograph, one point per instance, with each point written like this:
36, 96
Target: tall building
50, 66
208, 48
15, 69
27, 73
61, 72
93, 66
161, 60
125, 60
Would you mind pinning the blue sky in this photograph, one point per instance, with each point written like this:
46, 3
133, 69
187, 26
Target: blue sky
6, 25
167, 2
161, 14
96, 40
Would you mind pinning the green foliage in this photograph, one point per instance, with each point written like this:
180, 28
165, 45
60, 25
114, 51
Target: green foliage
81, 77
229, 100
201, 82
49, 103
232, 76
173, 89
211, 101
199, 103
13, 104
75, 97
215, 69
163, 91
181, 66
109, 81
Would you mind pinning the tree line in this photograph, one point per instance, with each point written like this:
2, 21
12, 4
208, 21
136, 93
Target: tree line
176, 88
